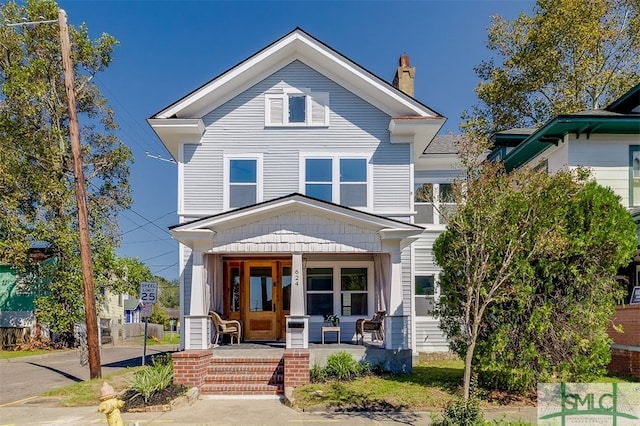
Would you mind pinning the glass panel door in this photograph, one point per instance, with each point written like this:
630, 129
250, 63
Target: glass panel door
262, 301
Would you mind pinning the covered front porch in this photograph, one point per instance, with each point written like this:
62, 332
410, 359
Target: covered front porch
281, 267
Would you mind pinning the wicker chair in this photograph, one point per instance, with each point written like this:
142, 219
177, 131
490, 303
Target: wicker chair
231, 327
373, 325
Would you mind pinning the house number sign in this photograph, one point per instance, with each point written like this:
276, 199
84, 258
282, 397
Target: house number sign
296, 276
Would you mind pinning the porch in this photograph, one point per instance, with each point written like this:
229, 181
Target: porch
264, 369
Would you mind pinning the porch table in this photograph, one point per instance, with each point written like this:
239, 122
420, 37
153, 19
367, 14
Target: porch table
330, 329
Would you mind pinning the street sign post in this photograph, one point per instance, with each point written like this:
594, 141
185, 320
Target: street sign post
148, 296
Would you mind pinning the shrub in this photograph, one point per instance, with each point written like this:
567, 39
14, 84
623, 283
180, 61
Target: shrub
154, 378
341, 366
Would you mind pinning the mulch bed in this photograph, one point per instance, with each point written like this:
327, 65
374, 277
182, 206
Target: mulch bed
162, 397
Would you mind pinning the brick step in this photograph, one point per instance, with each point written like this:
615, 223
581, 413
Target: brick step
263, 378
244, 368
245, 360
241, 389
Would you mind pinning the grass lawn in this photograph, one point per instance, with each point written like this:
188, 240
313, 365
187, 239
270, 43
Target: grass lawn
432, 384
17, 354
87, 393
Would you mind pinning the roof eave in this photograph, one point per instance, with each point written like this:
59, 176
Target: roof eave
176, 131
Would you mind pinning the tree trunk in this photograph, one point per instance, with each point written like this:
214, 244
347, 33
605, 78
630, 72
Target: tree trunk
466, 385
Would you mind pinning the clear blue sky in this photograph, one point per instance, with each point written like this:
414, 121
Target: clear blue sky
169, 48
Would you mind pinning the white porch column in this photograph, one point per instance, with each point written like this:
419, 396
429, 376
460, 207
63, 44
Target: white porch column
396, 323
297, 321
197, 327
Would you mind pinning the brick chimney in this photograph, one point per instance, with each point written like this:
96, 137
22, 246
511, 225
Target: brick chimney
405, 74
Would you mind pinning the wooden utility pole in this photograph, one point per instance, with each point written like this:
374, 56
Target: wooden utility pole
81, 198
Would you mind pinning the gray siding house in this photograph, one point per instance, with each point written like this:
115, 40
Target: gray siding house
298, 180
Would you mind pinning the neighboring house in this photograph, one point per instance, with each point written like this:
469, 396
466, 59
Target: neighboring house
297, 173
606, 141
18, 292
132, 310
111, 315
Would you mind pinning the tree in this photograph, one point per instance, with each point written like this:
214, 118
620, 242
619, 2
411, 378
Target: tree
528, 262
36, 183
169, 292
571, 55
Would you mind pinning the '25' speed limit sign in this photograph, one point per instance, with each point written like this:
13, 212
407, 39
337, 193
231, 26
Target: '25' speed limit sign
148, 292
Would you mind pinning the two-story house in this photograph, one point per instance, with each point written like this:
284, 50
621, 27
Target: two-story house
298, 171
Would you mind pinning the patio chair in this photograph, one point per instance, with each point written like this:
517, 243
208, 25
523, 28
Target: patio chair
373, 326
221, 326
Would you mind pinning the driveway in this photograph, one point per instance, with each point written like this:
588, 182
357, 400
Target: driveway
26, 377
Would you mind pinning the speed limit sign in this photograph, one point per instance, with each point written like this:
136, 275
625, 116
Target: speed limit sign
148, 292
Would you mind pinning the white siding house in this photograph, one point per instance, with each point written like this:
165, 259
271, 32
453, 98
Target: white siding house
297, 172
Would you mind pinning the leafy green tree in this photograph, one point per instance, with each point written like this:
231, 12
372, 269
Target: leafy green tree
37, 194
169, 292
528, 263
570, 55
159, 315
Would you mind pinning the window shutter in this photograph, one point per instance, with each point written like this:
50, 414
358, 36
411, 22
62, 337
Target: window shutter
319, 110
274, 109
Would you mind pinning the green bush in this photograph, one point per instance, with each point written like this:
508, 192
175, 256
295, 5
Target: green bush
461, 413
154, 378
340, 366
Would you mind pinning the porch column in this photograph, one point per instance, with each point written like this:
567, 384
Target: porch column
297, 321
395, 325
197, 327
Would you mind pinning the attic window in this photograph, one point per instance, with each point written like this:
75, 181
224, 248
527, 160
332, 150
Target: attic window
295, 107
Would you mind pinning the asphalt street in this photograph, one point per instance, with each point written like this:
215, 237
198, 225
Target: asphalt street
26, 377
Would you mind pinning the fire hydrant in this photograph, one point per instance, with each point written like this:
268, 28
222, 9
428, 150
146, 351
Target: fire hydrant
110, 405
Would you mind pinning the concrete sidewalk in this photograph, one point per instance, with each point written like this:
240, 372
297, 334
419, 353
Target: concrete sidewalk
42, 411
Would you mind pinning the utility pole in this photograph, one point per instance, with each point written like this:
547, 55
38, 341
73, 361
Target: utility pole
81, 199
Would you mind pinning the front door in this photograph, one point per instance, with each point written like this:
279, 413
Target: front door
262, 300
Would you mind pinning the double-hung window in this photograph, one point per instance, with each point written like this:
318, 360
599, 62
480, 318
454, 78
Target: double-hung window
242, 179
433, 202
293, 107
320, 291
424, 295
339, 288
338, 180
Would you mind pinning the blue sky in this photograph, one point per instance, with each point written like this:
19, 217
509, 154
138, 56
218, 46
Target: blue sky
169, 48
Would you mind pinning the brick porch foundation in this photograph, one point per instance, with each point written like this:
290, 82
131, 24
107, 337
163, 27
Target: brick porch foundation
190, 367
296, 367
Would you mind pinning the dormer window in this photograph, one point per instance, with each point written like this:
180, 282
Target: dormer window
294, 108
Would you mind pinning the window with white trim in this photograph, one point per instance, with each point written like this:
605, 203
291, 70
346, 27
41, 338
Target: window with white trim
295, 107
242, 181
339, 288
424, 296
320, 291
433, 202
338, 180
354, 291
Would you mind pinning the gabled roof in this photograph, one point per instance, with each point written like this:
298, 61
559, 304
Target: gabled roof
299, 45
621, 117
202, 229
181, 121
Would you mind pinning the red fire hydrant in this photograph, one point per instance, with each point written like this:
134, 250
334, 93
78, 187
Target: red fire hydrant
110, 405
